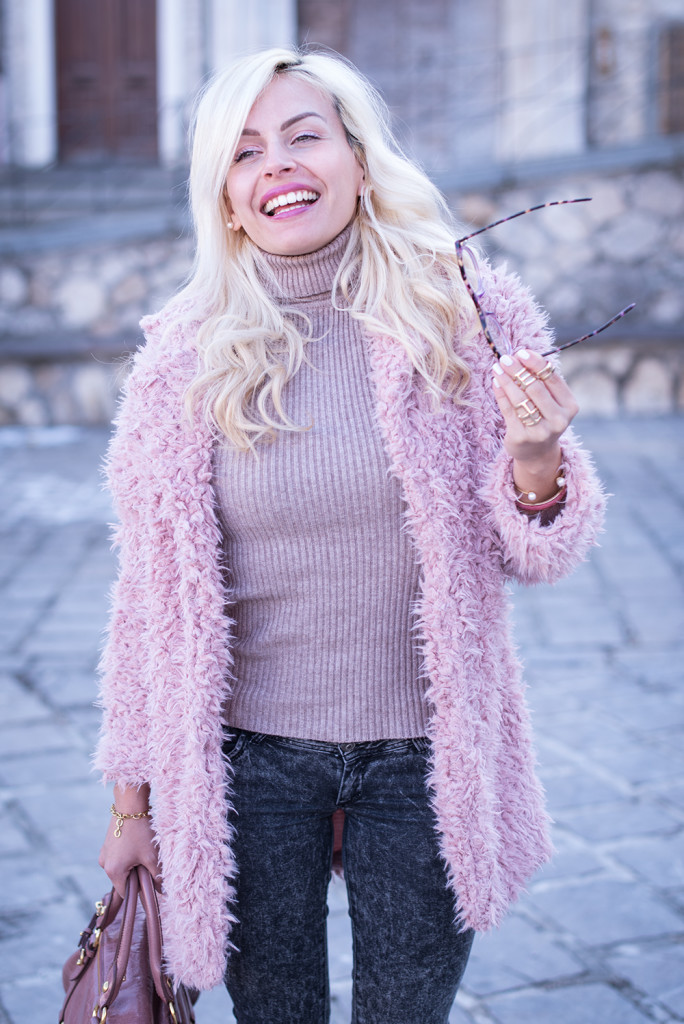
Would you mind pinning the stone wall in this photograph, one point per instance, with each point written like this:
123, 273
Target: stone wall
69, 315
69, 318
585, 262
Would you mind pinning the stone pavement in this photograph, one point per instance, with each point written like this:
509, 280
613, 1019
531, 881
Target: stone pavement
600, 935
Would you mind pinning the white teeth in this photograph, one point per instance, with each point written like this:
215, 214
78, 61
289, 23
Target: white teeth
288, 198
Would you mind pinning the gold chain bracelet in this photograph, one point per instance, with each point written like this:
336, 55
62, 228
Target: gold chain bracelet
121, 817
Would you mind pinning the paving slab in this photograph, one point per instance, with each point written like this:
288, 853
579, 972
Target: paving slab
600, 934
575, 1004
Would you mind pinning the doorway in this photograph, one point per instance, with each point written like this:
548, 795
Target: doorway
106, 80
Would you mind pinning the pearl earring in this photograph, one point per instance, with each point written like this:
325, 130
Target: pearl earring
229, 225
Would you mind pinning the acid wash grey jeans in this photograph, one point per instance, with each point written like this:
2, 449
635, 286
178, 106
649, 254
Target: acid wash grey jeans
409, 956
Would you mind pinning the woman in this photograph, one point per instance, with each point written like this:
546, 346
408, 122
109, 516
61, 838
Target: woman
324, 480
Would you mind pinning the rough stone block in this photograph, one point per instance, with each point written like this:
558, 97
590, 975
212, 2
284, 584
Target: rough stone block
563, 299
475, 210
31, 412
658, 192
16, 384
14, 286
608, 200
133, 288
81, 300
668, 308
93, 391
634, 236
649, 388
596, 391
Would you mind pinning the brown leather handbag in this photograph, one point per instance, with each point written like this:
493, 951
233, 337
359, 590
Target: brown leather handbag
116, 973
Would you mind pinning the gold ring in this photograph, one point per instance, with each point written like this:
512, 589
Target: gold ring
523, 378
527, 412
528, 405
546, 372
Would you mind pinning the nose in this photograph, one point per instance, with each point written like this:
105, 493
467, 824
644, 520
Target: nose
278, 161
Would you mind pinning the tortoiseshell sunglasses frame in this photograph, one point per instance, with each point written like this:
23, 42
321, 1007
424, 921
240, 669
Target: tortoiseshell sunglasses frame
476, 302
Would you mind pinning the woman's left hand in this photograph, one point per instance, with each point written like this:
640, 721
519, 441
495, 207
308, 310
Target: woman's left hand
537, 406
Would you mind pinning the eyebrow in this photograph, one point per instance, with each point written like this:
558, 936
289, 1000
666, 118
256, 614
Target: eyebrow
287, 124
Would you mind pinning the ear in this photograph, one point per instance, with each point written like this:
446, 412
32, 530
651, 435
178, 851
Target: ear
232, 222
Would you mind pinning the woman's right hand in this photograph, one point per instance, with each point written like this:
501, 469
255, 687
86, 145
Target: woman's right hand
135, 845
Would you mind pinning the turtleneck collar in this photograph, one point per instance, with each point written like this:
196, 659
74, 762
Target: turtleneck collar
290, 278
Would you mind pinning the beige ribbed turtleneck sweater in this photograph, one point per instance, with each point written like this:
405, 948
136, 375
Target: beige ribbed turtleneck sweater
322, 577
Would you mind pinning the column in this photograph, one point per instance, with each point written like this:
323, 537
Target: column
543, 78
31, 90
197, 37
237, 27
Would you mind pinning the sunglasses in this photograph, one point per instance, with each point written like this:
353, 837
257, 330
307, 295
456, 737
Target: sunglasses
491, 328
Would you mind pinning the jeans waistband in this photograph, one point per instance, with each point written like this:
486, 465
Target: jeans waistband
358, 748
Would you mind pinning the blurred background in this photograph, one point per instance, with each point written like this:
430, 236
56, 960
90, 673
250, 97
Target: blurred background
506, 103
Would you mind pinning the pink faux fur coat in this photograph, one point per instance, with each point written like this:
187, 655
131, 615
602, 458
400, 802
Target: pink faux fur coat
166, 666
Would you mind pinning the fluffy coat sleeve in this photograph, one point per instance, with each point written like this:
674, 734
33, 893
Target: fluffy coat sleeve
533, 552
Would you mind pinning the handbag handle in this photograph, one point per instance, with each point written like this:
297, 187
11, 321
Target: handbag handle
138, 883
148, 897
117, 970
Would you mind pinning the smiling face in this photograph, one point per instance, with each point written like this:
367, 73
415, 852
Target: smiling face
294, 181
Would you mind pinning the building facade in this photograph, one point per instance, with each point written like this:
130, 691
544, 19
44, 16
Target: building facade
506, 103
112, 79
477, 89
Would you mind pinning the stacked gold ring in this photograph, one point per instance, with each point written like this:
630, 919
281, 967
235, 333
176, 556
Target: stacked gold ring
524, 377
546, 372
530, 414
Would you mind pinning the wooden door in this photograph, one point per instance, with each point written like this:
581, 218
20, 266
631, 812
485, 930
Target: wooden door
671, 85
106, 79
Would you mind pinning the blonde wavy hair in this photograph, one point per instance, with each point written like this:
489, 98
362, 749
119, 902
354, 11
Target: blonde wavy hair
398, 276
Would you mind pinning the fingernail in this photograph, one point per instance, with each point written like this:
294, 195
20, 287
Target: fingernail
523, 353
495, 383
497, 369
506, 360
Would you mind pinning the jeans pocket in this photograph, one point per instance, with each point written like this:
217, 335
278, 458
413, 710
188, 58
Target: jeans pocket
234, 744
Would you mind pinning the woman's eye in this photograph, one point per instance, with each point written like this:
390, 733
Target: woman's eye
243, 154
305, 137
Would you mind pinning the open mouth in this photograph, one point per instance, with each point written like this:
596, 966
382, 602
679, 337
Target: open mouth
289, 201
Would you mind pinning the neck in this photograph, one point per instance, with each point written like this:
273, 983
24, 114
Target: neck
302, 277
